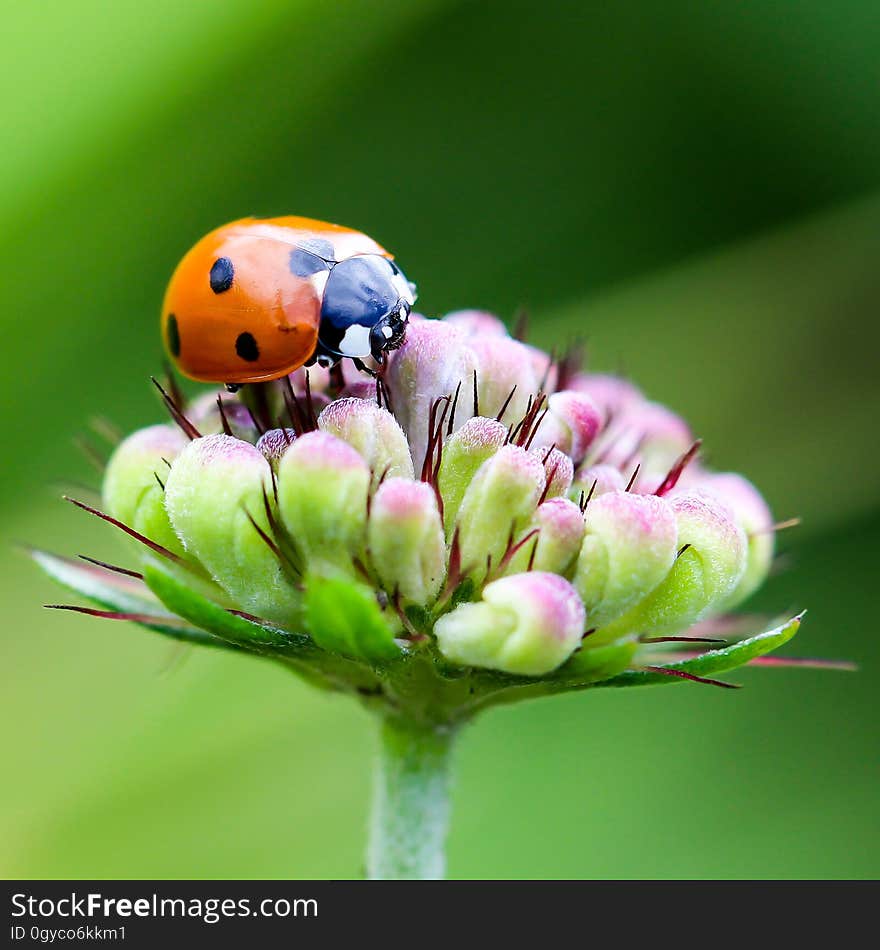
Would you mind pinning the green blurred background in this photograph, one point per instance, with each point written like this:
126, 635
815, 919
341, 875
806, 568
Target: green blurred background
694, 187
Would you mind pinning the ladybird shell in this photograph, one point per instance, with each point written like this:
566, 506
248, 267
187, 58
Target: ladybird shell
244, 304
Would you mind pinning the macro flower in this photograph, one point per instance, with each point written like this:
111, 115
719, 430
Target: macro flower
482, 524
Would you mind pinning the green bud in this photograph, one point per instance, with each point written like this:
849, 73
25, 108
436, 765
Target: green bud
405, 539
323, 485
373, 432
630, 546
132, 490
756, 519
215, 487
498, 503
708, 569
527, 624
463, 453
560, 527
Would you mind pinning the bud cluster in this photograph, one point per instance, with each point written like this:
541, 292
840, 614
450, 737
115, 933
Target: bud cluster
483, 522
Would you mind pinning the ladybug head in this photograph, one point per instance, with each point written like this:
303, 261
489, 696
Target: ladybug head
366, 307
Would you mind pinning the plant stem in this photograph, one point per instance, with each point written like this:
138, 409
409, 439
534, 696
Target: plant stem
410, 815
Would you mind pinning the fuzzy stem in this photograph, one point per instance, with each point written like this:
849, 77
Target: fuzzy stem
410, 814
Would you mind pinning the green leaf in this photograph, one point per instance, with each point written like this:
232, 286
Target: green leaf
204, 613
713, 661
125, 598
343, 617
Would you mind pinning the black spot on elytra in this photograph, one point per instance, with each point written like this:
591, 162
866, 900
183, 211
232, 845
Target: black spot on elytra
246, 347
222, 273
172, 335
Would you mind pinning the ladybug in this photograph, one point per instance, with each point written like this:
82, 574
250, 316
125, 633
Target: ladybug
260, 297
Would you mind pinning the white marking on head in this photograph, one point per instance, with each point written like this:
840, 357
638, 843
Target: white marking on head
387, 332
355, 341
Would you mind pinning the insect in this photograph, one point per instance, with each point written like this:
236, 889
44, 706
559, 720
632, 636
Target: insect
258, 298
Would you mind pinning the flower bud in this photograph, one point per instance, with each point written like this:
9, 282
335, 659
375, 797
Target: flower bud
710, 564
405, 540
756, 519
606, 478
498, 503
502, 364
463, 453
612, 394
132, 492
648, 433
629, 548
432, 362
560, 527
215, 487
476, 323
373, 432
526, 624
274, 443
558, 471
204, 413
571, 425
323, 485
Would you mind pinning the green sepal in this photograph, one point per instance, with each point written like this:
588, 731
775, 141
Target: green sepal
599, 663
344, 617
121, 594
713, 661
204, 613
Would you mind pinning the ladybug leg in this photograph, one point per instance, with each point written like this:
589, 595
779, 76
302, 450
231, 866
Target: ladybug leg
362, 366
337, 380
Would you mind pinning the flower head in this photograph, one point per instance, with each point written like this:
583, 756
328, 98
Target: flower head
481, 524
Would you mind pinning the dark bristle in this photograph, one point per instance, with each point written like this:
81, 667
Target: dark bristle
451, 424
116, 614
159, 480
521, 325
223, 420
176, 413
111, 567
152, 545
476, 397
678, 467
681, 551
505, 404
633, 477
589, 495
681, 640
92, 455
667, 671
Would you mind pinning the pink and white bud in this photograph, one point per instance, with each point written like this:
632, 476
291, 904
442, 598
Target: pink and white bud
274, 443
205, 415
405, 540
526, 624
132, 489
504, 366
629, 548
555, 548
710, 563
433, 361
558, 471
323, 485
572, 424
756, 519
612, 394
476, 323
463, 453
598, 479
498, 503
373, 432
216, 490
